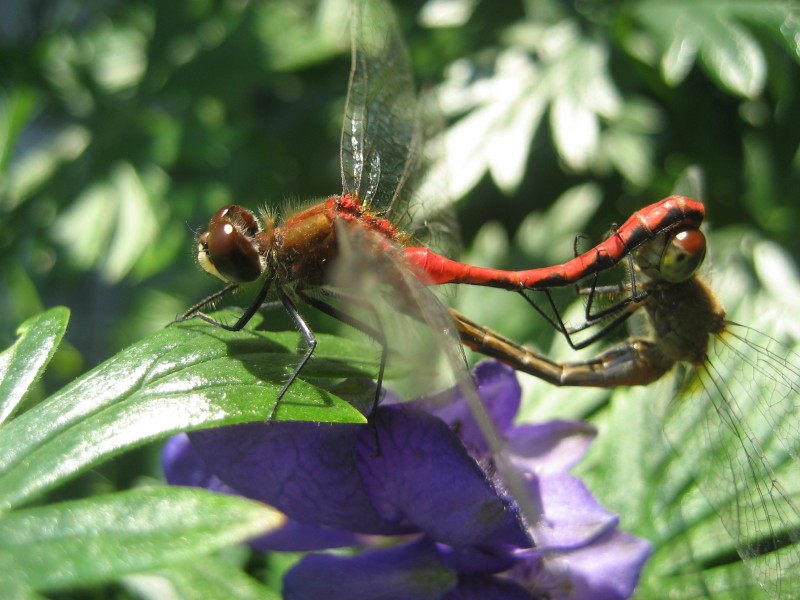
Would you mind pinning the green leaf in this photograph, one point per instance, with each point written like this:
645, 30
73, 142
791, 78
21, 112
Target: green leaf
22, 364
15, 110
714, 31
85, 542
41, 163
206, 579
124, 211
299, 35
184, 377
12, 583
571, 78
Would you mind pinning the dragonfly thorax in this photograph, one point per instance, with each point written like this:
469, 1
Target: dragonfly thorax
683, 316
304, 246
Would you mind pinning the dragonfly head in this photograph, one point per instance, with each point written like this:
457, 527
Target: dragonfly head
674, 257
231, 248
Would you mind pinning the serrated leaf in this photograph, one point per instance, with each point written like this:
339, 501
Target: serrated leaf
508, 169
509, 144
715, 32
630, 153
99, 539
733, 56
39, 164
138, 217
507, 107
464, 152
184, 377
22, 364
678, 59
124, 211
298, 35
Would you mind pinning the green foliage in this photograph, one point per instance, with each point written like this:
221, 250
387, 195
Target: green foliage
180, 378
99, 539
124, 126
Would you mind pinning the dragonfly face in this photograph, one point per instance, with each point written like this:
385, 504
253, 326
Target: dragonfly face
233, 247
672, 258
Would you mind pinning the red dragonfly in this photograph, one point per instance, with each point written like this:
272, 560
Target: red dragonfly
743, 390
379, 215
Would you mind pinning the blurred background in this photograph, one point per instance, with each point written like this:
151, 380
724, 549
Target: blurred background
125, 125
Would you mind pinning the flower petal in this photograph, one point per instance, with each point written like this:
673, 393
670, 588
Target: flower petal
424, 476
610, 568
475, 560
550, 448
400, 572
500, 392
486, 587
183, 466
301, 537
306, 470
573, 518
607, 569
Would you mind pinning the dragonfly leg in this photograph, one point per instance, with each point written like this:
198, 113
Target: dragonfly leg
310, 340
634, 296
558, 323
195, 311
375, 333
210, 300
618, 312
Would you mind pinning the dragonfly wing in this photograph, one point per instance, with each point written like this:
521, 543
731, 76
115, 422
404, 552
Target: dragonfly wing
429, 215
738, 417
380, 130
381, 154
408, 300
385, 159
369, 268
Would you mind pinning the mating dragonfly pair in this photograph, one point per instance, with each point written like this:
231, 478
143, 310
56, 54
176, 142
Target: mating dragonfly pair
381, 222
662, 241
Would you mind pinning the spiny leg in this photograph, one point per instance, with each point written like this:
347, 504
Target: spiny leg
620, 311
197, 308
195, 312
308, 336
375, 334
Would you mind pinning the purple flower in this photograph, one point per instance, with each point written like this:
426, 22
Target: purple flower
457, 534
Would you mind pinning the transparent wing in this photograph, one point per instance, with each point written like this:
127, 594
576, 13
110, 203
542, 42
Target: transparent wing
380, 131
363, 272
738, 419
385, 153
381, 157
430, 215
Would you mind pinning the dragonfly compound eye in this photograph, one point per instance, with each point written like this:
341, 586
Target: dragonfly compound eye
228, 249
682, 255
203, 258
